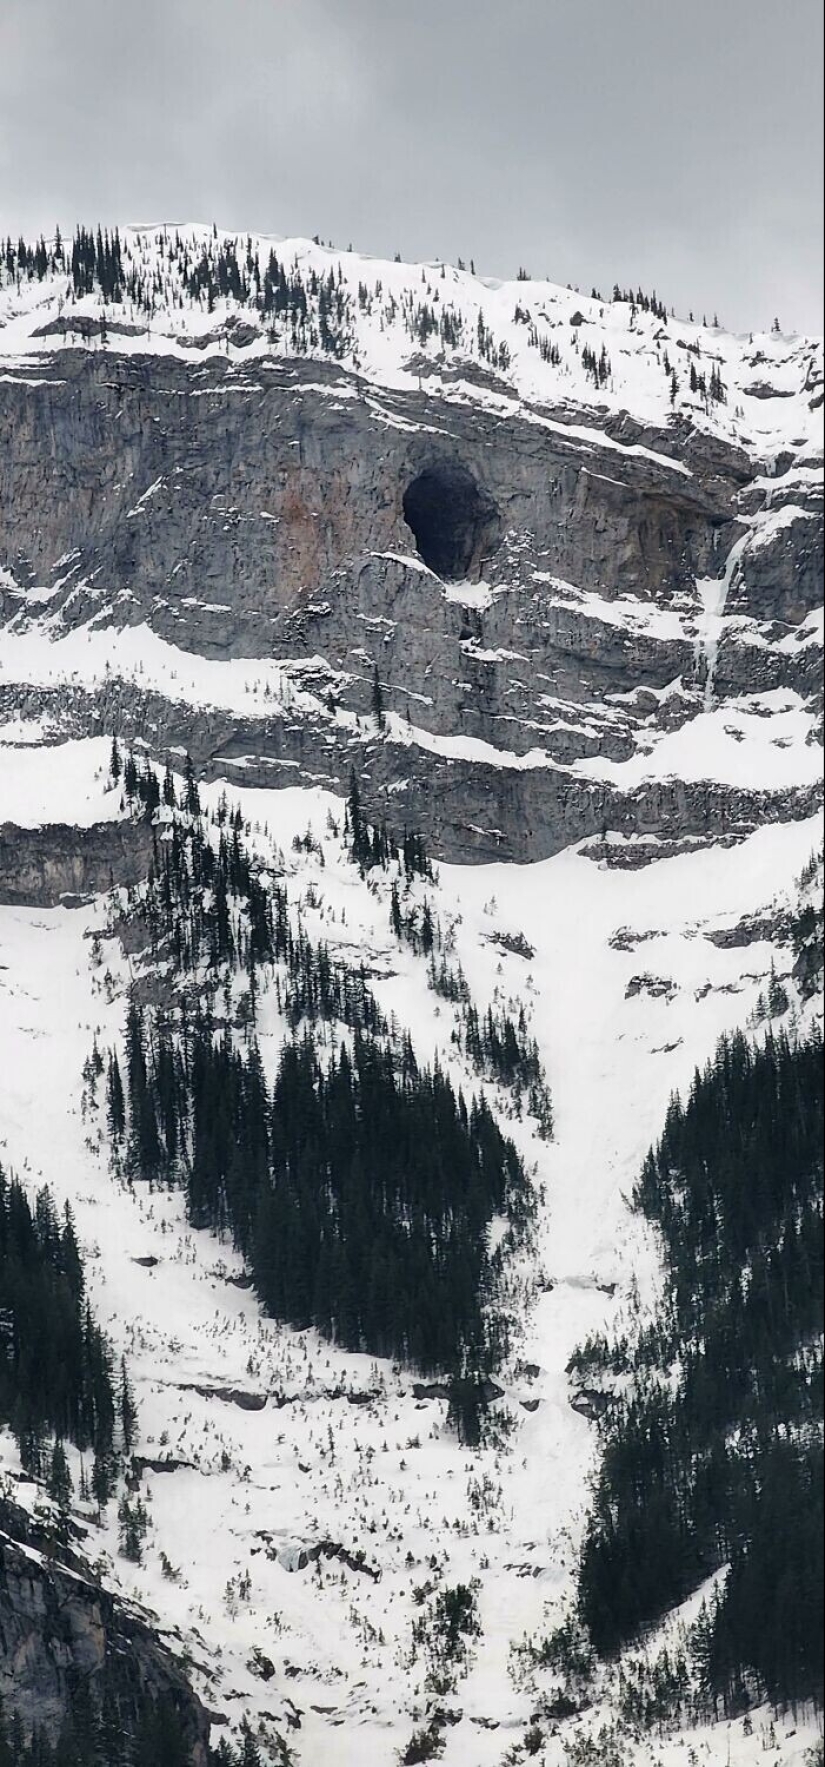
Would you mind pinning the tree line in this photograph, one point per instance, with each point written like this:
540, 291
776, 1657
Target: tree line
359, 1189
57, 1379
359, 1186
713, 1456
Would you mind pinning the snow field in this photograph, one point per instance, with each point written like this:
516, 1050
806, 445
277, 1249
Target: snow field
382, 351
382, 1476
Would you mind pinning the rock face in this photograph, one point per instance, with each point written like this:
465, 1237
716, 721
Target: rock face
58, 1627
224, 503
531, 585
42, 867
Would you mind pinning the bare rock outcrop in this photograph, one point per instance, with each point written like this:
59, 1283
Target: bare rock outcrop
59, 1627
42, 867
525, 587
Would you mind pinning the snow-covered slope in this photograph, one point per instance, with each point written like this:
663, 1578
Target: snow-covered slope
393, 323
276, 1443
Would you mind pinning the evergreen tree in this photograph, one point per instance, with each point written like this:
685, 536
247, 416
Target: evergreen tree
712, 1453
127, 1409
55, 1363
59, 1484
115, 1101
191, 796
103, 1476
389, 1251
133, 1524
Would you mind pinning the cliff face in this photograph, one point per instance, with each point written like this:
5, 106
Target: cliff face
245, 491
59, 1629
57, 862
549, 592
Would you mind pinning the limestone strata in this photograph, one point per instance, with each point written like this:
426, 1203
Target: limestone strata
259, 511
41, 867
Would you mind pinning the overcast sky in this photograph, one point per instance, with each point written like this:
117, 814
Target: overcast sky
675, 145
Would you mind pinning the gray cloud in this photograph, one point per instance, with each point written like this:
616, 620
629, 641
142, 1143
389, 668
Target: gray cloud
586, 139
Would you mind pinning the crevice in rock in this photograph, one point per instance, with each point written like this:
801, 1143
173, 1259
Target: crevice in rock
456, 524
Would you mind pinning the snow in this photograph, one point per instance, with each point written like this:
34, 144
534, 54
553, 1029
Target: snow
92, 655
762, 741
409, 563
144, 499
612, 1060
713, 594
762, 531
28, 732
775, 521
62, 783
590, 433
766, 742
632, 613
384, 353
478, 595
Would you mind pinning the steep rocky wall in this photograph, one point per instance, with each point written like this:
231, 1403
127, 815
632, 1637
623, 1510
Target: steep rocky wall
259, 512
253, 489
59, 1627
469, 810
41, 867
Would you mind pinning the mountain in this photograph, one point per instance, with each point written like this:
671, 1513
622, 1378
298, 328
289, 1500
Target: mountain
409, 770
623, 583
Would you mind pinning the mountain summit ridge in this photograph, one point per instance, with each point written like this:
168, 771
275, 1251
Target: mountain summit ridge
178, 289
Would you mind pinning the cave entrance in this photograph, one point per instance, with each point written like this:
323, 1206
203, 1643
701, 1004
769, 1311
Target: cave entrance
453, 520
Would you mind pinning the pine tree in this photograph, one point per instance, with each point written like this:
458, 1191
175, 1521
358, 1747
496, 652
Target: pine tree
395, 911
115, 1102
57, 1381
191, 796
130, 777
127, 1408
59, 1482
777, 996
133, 1522
724, 1464
103, 1477
250, 1755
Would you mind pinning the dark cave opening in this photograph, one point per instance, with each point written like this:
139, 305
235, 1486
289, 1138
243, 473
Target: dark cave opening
453, 520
